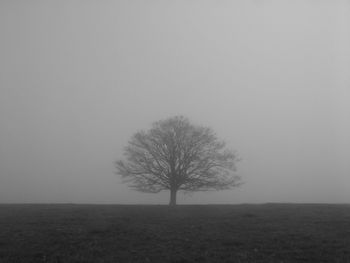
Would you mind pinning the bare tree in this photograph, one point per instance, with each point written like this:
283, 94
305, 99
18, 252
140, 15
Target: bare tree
176, 155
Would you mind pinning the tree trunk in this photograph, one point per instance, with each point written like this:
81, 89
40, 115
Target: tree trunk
172, 197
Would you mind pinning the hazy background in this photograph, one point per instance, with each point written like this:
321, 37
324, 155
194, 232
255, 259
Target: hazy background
78, 78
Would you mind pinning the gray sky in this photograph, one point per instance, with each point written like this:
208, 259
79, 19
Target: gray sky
78, 78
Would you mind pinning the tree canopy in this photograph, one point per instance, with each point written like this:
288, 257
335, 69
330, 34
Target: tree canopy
177, 155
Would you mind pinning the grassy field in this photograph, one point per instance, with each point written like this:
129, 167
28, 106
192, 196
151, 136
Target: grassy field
208, 233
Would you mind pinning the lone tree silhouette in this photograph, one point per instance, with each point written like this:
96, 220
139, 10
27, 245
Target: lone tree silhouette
177, 155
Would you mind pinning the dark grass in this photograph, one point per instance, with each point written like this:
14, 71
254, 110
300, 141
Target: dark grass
208, 233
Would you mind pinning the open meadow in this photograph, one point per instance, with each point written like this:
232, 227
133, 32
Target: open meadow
188, 233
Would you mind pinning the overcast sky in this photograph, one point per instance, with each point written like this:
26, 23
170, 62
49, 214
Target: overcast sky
78, 78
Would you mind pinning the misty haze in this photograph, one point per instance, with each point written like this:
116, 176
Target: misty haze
262, 84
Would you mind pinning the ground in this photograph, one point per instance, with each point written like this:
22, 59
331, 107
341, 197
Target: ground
203, 233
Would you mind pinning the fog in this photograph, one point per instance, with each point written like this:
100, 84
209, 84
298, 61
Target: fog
78, 78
